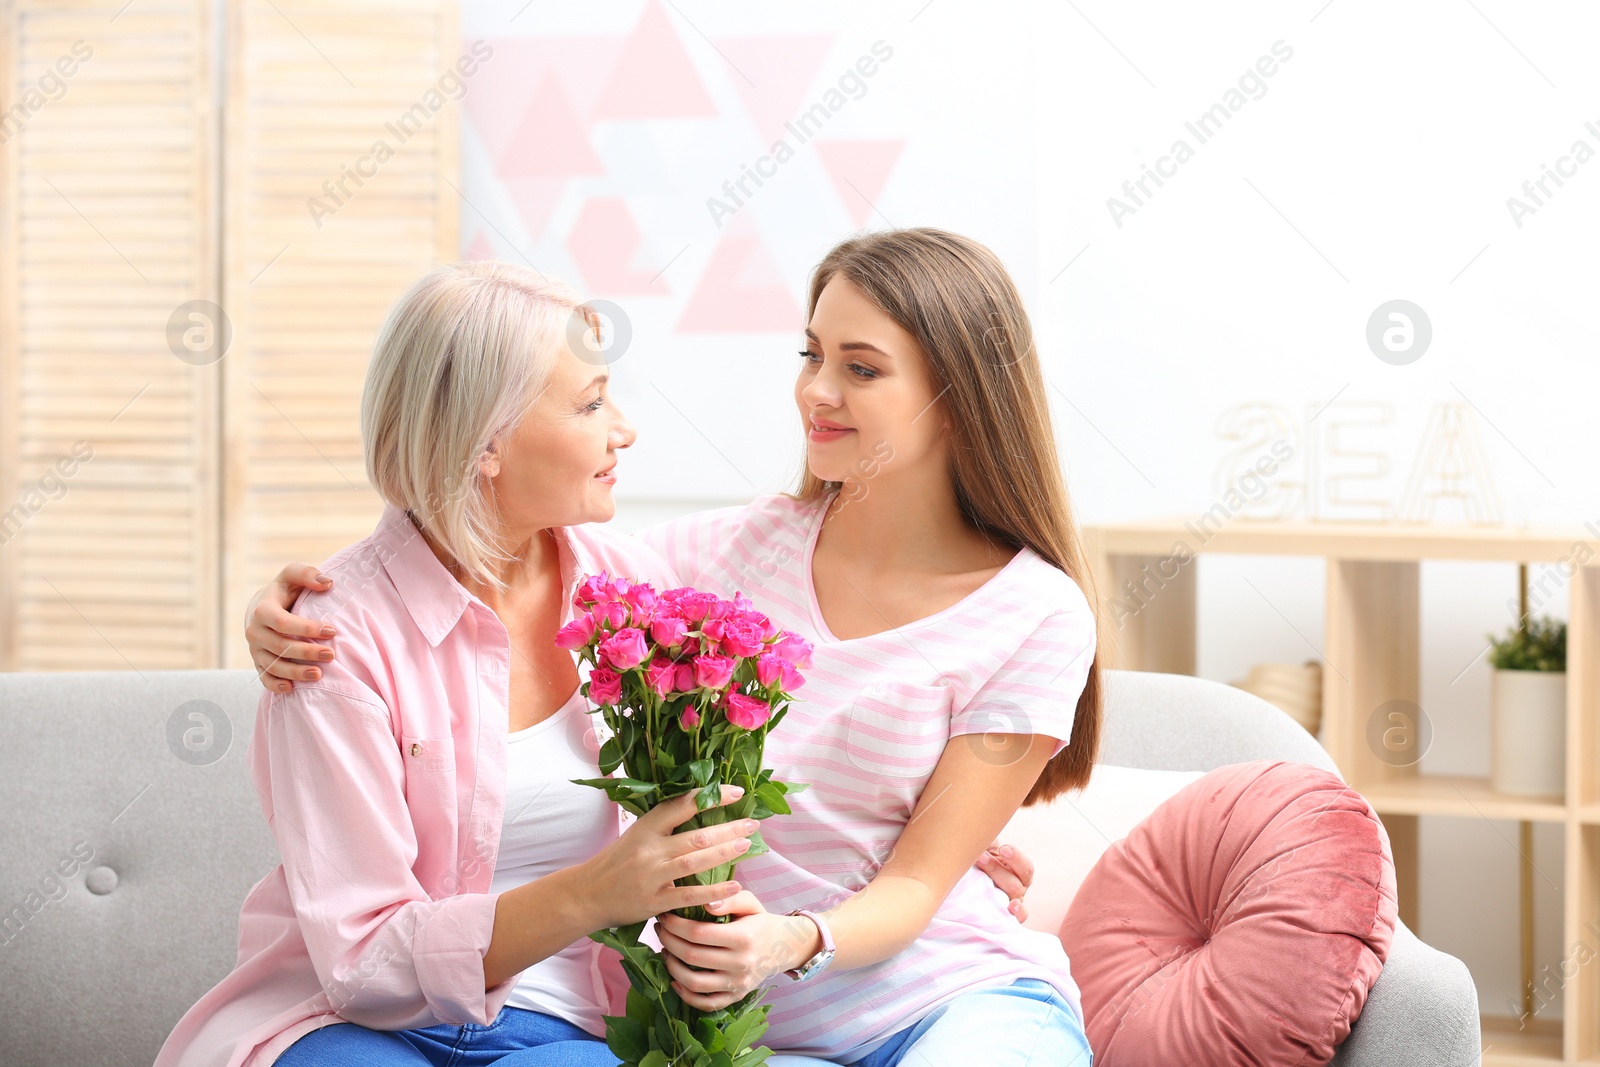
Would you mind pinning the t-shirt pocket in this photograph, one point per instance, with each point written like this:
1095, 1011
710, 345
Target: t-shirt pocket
896, 732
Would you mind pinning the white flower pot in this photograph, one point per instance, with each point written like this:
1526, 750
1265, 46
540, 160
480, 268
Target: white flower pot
1528, 732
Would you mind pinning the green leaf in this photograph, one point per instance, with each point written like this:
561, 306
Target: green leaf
758, 847
771, 795
710, 1036
709, 796
621, 938
702, 770
610, 756
753, 1057
655, 1058
745, 1028
639, 1007
792, 788
627, 1037
686, 1039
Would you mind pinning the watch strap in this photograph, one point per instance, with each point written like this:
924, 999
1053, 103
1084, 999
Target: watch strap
821, 958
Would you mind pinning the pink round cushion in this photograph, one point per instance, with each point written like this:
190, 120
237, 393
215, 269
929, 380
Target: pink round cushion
1242, 923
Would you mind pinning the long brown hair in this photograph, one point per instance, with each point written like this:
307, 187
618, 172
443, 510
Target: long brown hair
953, 295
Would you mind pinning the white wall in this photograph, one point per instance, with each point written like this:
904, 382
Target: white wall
1373, 164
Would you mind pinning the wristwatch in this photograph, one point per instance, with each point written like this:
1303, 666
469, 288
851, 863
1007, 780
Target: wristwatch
821, 960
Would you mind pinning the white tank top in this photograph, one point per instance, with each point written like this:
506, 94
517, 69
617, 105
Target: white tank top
550, 824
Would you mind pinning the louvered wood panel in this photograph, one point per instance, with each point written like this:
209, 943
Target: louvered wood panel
312, 86
108, 226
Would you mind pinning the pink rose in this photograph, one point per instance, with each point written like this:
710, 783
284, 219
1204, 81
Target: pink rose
769, 668
616, 589
712, 671
605, 686
609, 615
641, 597
691, 646
794, 648
740, 637
758, 620
589, 592
711, 629
660, 676
625, 648
694, 605
690, 718
773, 669
747, 713
684, 683
669, 631
576, 633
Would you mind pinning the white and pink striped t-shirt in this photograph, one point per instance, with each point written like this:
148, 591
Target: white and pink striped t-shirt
866, 731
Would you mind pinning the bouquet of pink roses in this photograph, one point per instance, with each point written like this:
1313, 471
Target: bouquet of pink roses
689, 685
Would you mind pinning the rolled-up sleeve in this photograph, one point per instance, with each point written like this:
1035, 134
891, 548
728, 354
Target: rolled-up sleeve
329, 769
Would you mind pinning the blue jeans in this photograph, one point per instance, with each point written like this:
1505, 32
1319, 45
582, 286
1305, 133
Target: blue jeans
516, 1038
1024, 1024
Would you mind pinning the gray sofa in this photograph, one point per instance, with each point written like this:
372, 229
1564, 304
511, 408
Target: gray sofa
132, 835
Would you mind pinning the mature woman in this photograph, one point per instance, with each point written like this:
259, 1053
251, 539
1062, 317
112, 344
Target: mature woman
440, 871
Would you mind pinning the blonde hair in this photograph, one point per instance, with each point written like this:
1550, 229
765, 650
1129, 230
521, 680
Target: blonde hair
461, 359
953, 295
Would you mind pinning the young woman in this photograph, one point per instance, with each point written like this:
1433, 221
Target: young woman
931, 557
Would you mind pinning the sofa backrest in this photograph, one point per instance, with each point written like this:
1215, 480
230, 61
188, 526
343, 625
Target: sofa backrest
1176, 722
132, 836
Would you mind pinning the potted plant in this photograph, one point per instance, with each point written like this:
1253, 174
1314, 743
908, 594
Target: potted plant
1528, 709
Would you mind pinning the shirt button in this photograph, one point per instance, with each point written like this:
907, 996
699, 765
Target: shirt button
416, 749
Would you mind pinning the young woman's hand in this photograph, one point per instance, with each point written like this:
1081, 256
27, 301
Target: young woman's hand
714, 964
277, 645
1010, 869
632, 878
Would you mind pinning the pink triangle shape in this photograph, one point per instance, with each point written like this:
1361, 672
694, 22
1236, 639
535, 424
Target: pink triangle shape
550, 141
535, 200
501, 88
782, 68
603, 243
654, 78
859, 170
723, 302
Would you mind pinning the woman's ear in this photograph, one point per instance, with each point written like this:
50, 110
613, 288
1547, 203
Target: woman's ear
489, 461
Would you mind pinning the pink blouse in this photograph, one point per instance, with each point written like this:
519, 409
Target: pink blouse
384, 785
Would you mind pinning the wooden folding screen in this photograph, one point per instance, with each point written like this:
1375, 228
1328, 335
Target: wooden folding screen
321, 236
186, 308
108, 441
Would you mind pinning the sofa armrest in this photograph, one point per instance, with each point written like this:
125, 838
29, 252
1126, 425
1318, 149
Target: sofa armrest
1422, 1012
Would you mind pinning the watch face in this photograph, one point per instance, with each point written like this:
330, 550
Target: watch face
819, 961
